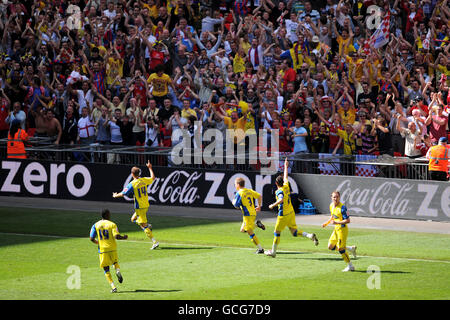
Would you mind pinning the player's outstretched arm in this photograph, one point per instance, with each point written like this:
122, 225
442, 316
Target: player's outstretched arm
328, 222
117, 194
273, 205
93, 240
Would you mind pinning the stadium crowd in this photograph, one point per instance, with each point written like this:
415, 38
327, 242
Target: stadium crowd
132, 72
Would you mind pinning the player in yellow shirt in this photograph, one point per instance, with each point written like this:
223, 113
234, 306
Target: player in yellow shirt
245, 200
340, 219
286, 213
104, 233
137, 188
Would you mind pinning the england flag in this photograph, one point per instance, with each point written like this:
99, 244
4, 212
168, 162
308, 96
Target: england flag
381, 36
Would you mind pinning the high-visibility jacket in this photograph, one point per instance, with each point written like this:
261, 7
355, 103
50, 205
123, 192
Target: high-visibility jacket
16, 147
438, 156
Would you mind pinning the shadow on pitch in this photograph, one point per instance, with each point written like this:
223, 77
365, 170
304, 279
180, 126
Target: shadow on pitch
148, 291
185, 248
384, 271
318, 259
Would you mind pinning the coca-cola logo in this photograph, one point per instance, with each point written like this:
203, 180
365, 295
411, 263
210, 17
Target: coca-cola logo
177, 187
389, 198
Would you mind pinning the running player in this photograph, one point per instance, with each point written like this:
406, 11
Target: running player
245, 200
340, 219
286, 213
137, 188
104, 233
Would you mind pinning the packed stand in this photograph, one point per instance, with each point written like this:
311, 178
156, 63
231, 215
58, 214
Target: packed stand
132, 72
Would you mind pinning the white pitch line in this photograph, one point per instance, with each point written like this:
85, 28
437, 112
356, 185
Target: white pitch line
224, 247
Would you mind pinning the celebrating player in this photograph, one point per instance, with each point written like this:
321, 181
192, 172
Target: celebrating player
137, 188
104, 233
340, 218
286, 213
245, 200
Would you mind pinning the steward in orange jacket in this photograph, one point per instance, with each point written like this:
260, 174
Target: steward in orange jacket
438, 157
16, 139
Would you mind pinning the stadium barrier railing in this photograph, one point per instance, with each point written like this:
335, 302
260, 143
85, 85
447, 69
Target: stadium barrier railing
310, 163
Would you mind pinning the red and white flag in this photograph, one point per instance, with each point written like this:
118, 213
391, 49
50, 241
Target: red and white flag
381, 36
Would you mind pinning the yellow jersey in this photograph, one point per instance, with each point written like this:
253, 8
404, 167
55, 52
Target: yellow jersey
238, 127
339, 213
186, 113
160, 84
105, 231
138, 189
114, 68
245, 200
348, 140
284, 208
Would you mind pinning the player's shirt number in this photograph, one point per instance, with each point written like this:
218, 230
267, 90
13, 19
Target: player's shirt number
142, 191
103, 234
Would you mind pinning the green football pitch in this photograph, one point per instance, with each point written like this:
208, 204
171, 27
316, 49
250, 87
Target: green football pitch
46, 254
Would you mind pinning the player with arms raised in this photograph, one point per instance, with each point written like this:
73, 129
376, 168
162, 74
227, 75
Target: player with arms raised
286, 213
340, 219
104, 233
245, 200
137, 188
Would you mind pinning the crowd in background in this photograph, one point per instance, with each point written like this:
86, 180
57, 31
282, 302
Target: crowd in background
132, 72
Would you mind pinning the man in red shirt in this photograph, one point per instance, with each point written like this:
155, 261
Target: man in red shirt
4, 112
289, 74
437, 121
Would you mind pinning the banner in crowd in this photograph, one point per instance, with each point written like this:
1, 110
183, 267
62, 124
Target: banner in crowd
333, 168
97, 182
379, 197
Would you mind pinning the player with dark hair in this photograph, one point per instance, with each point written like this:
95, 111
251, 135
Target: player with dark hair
286, 213
138, 189
104, 233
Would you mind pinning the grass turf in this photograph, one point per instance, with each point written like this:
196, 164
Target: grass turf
202, 259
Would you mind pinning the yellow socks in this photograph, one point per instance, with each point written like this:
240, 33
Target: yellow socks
109, 278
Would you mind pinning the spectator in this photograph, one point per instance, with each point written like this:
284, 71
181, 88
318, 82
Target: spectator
69, 127
309, 58
86, 132
103, 133
17, 114
299, 135
54, 129
383, 136
5, 104
437, 120
412, 136
160, 83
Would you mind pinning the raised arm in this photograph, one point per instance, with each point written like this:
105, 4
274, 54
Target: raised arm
286, 167
150, 168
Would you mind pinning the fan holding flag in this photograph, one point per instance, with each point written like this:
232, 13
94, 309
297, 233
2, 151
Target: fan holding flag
381, 35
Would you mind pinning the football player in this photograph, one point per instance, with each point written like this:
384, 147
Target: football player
104, 233
286, 213
340, 219
245, 200
137, 188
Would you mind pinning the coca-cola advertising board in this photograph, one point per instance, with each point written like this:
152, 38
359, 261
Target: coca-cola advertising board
96, 182
379, 197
